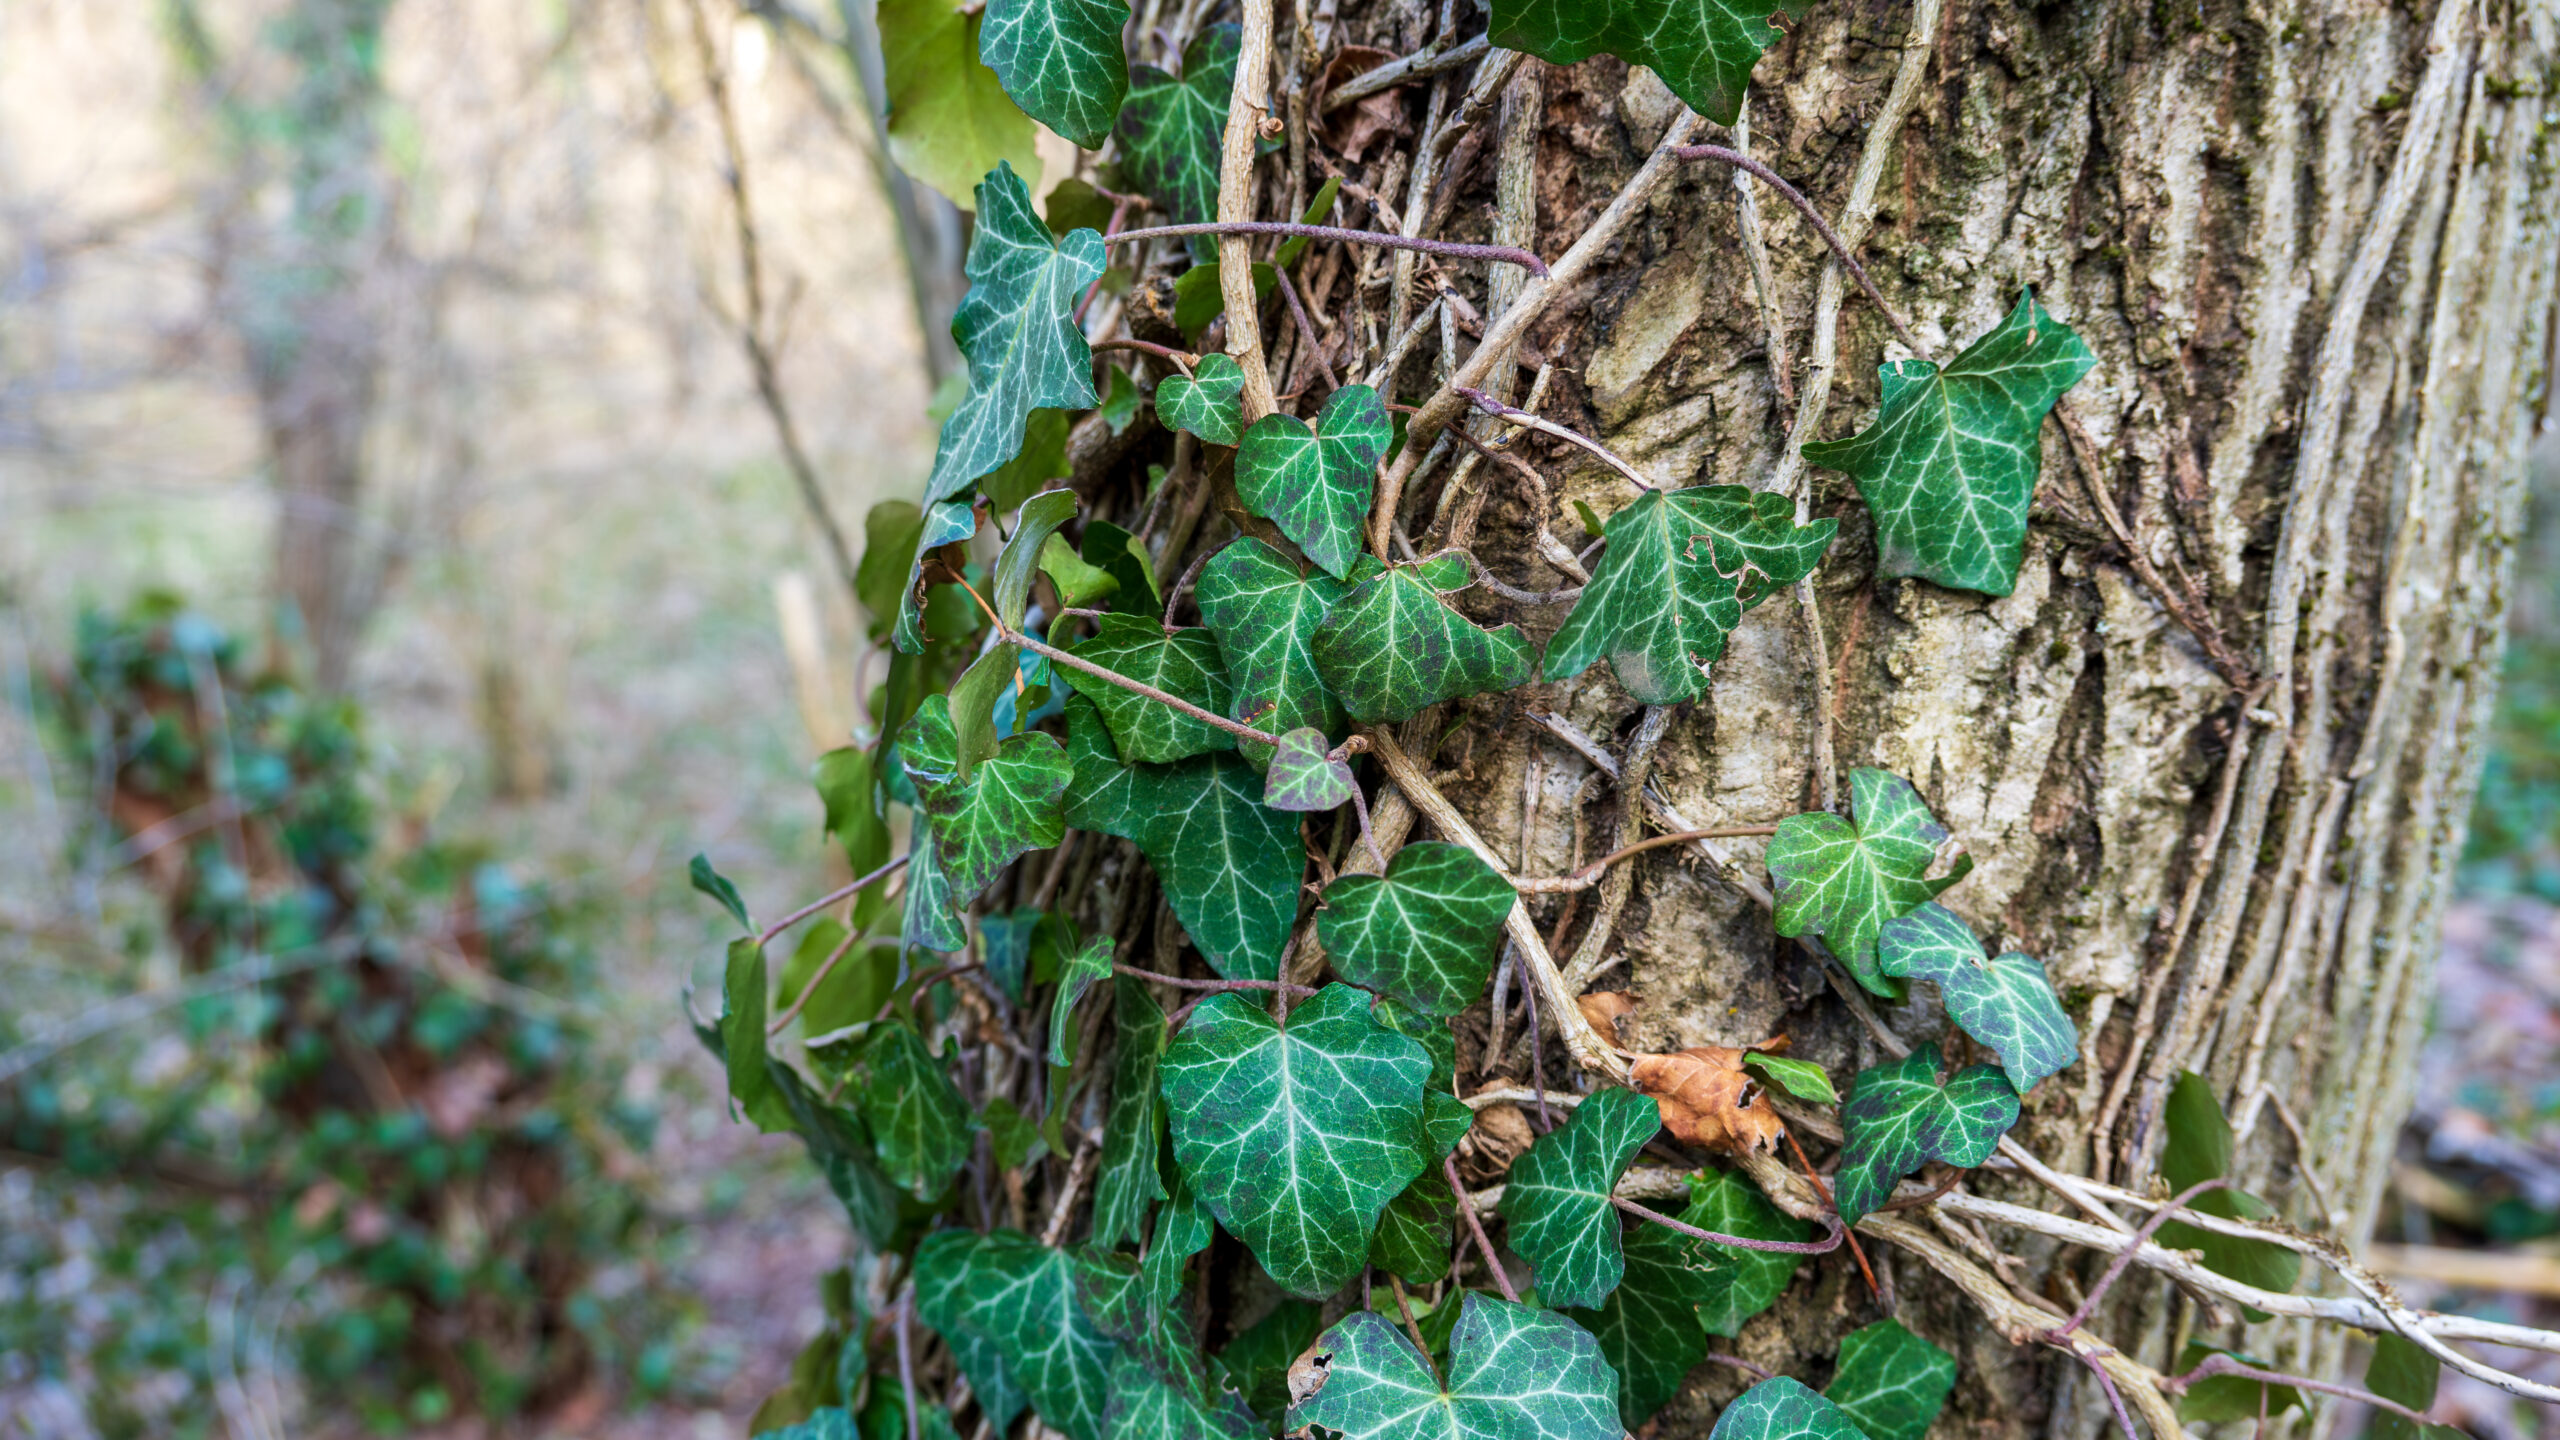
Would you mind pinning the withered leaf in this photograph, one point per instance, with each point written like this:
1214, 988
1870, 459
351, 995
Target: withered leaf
1708, 1100
1604, 1009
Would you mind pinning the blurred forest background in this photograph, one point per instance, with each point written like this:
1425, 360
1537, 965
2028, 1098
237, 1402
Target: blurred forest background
404, 341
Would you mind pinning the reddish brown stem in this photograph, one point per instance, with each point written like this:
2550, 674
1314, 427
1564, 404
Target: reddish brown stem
1824, 1191
1448, 249
1467, 1207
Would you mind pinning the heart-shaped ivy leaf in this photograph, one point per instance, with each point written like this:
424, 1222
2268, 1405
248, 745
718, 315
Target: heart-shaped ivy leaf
1229, 865
1088, 964
1129, 1179
1016, 327
1306, 775
1678, 1290
1515, 1373
1151, 1327
1900, 1118
2006, 1003
1681, 567
1007, 805
1185, 664
1783, 1409
949, 118
1393, 646
1557, 1203
1061, 62
1703, 51
1171, 128
1423, 932
1843, 882
1207, 402
1007, 1306
1414, 1231
917, 1119
1951, 462
945, 523
1265, 614
1296, 1138
1315, 483
1891, 1383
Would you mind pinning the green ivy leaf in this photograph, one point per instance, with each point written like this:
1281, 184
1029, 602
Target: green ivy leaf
855, 811
1229, 865
1124, 558
1073, 203
1801, 1078
2222, 1399
1129, 1178
1085, 966
1004, 943
716, 885
2398, 1371
1185, 664
1042, 458
2007, 1003
1557, 1203
1515, 1373
1295, 1139
1678, 1290
1014, 1136
1206, 402
1783, 1409
1183, 1230
1315, 482
1424, 932
1119, 401
1951, 462
1891, 1383
852, 991
1199, 295
917, 1119
1899, 1118
1147, 1406
1661, 602
830, 1423
1060, 60
950, 121
1079, 584
1393, 646
1172, 129
1265, 613
1149, 1327
2196, 1148
1016, 326
1007, 1306
1305, 776
933, 915
742, 1050
1007, 807
1843, 883
840, 1144
889, 532
1740, 1283
1703, 52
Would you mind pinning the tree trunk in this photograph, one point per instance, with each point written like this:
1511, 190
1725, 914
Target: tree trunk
2313, 248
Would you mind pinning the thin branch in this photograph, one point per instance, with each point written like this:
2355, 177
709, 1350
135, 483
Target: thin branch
1544, 426
1180, 983
831, 897
1475, 1227
1824, 1190
1173, 596
1589, 875
1446, 249
1181, 360
907, 1364
1822, 227
825, 968
2220, 1364
1306, 329
1839, 1232
1745, 1366
2124, 1257
1419, 65
751, 324
1404, 1307
1056, 656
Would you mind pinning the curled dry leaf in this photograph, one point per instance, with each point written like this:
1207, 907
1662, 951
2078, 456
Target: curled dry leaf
1708, 1100
1370, 116
1500, 1135
1308, 1373
1604, 1009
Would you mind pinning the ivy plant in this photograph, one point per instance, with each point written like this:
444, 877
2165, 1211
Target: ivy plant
1900, 1117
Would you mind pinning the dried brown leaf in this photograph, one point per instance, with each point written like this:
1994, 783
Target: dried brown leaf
1708, 1100
1604, 1009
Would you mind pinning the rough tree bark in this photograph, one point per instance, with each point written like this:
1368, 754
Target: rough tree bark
2313, 246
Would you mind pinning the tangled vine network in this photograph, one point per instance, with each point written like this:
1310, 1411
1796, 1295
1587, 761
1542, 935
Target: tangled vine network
1041, 1164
